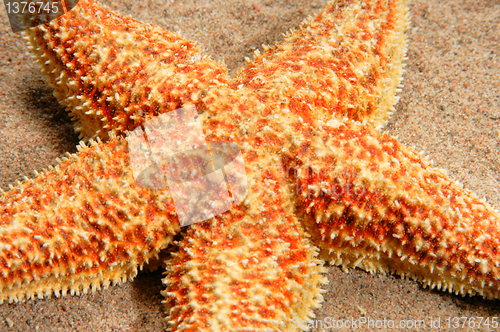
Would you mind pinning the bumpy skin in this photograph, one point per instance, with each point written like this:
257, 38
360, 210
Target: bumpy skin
81, 225
369, 202
114, 73
364, 199
347, 61
159, 83
251, 269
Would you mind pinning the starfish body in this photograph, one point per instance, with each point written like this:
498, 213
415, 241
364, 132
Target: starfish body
304, 114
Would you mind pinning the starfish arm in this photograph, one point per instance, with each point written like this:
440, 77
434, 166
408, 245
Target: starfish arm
238, 274
113, 72
374, 204
80, 226
345, 62
250, 268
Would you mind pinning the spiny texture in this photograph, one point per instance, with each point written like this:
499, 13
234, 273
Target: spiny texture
372, 203
313, 175
79, 226
114, 73
347, 61
244, 270
238, 105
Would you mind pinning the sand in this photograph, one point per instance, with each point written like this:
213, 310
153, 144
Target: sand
449, 108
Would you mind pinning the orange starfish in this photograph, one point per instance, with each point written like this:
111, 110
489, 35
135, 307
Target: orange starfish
280, 112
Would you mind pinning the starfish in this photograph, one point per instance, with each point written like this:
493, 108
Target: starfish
307, 199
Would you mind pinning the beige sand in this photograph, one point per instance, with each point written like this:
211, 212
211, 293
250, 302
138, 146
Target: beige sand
450, 107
